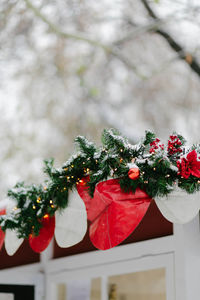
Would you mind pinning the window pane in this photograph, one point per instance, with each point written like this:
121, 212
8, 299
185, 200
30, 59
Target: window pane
79, 289
6, 296
145, 285
61, 291
95, 292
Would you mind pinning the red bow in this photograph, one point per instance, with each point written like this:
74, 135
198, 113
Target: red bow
2, 234
40, 243
114, 214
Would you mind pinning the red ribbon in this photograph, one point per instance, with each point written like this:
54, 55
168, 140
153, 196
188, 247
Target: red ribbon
113, 214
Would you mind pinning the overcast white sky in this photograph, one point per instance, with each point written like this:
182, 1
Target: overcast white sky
187, 32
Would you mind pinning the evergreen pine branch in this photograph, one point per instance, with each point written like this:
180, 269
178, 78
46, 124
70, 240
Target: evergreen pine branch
158, 177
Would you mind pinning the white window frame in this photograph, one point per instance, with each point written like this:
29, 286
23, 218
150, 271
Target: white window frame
142, 256
26, 275
179, 253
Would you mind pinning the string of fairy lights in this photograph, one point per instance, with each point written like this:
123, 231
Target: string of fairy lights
150, 165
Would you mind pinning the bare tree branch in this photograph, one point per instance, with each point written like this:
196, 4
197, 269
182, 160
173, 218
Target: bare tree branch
182, 54
81, 37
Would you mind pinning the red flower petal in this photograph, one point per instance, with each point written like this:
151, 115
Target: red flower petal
189, 166
196, 165
192, 156
195, 172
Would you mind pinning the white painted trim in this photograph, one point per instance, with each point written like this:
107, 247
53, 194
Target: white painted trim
179, 264
130, 251
31, 268
47, 254
187, 260
104, 288
116, 268
50, 289
25, 278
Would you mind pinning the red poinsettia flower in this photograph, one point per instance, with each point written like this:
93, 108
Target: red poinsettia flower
189, 165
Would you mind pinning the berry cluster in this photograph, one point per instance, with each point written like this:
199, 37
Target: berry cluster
174, 145
155, 145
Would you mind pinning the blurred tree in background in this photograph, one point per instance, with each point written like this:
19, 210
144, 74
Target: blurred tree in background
70, 67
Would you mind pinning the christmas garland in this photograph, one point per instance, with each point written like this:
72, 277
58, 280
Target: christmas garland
149, 165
